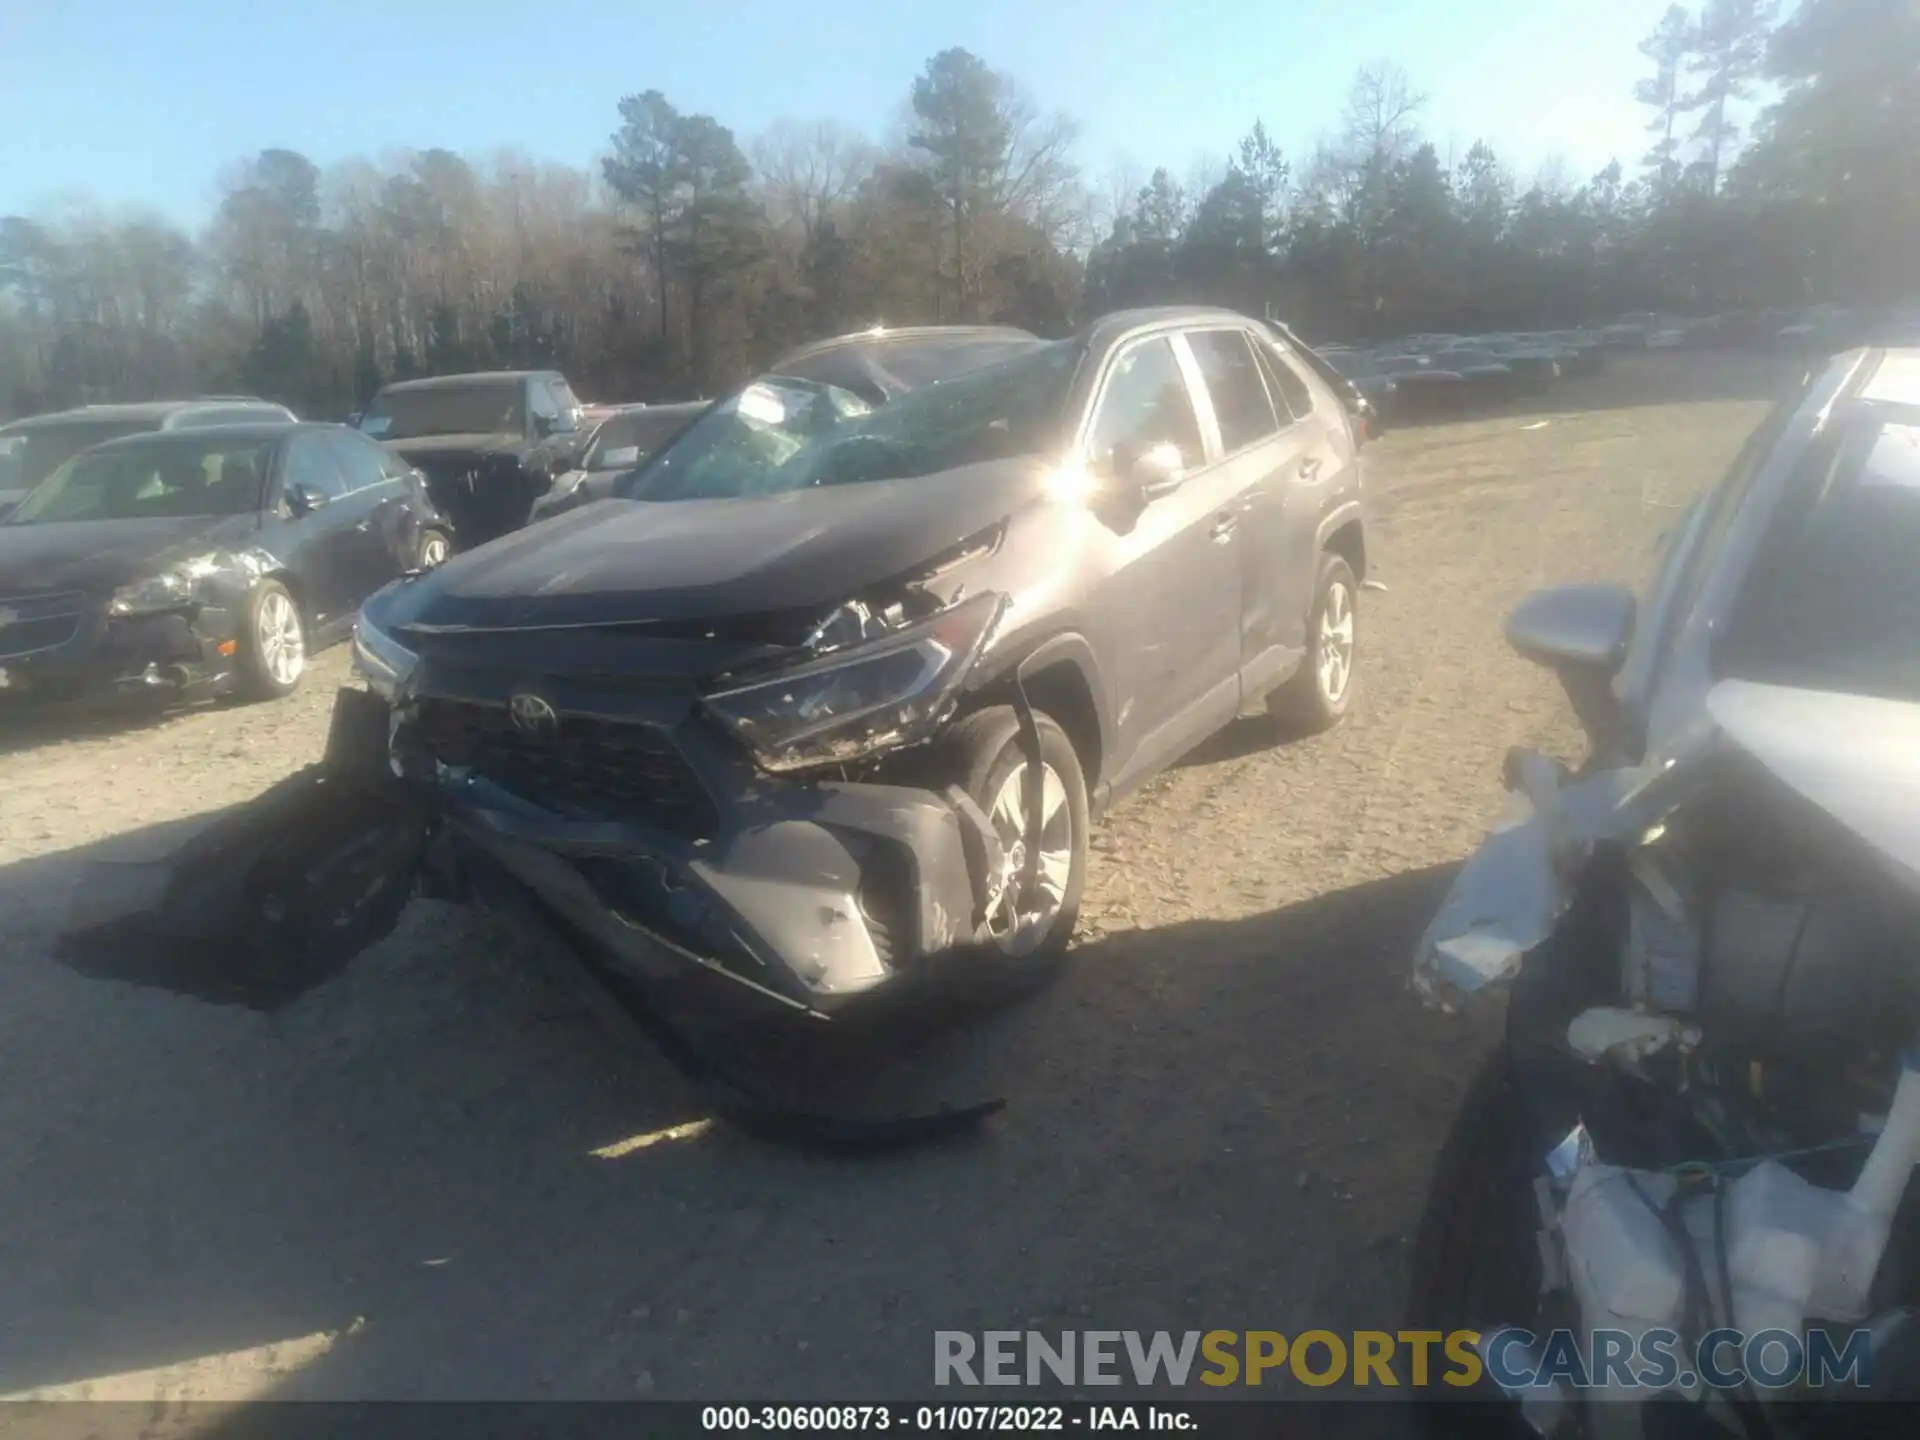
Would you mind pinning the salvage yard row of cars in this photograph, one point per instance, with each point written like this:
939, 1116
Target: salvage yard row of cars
1421, 376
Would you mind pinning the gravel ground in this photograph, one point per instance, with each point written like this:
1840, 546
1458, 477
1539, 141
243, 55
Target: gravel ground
1223, 1116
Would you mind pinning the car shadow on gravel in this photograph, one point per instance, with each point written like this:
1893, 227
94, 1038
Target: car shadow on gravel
465, 1186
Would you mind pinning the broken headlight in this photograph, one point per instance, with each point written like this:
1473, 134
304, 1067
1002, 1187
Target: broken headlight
173, 587
871, 696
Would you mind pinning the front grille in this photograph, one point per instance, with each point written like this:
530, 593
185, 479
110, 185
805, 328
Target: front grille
30, 623
584, 765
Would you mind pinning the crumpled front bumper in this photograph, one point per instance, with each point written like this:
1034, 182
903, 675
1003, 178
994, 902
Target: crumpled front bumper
828, 893
166, 655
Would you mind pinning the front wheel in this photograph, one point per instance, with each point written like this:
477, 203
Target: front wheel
1317, 696
433, 549
1027, 934
273, 645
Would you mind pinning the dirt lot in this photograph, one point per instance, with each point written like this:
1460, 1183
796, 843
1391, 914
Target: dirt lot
1222, 1117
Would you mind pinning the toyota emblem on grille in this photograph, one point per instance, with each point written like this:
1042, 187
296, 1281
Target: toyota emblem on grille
532, 715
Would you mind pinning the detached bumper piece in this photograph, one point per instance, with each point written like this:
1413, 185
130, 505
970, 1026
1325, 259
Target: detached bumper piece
271, 898
275, 897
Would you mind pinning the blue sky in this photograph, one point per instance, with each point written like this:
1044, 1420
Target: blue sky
150, 103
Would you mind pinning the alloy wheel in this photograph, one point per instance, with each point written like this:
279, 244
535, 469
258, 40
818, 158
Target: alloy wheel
1020, 930
283, 643
1335, 661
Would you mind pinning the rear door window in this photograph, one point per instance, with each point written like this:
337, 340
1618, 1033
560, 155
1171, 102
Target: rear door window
1241, 404
311, 462
359, 462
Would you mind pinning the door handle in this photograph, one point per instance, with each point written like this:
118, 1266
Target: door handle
1310, 468
1223, 528
364, 525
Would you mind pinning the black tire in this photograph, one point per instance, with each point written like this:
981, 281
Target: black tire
1302, 705
980, 754
1474, 1263
423, 552
261, 676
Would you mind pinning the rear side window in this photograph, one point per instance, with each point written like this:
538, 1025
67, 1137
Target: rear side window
359, 461
1289, 389
310, 462
1240, 400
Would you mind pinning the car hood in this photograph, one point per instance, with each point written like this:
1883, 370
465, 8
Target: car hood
424, 449
627, 561
100, 555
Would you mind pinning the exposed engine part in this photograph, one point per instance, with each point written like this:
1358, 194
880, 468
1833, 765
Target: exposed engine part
1625, 1036
1753, 1245
1784, 977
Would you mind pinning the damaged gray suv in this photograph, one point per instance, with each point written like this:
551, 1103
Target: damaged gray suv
824, 699
788, 690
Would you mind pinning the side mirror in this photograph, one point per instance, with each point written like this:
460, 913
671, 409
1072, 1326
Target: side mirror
353, 420
1153, 471
304, 499
1575, 627
1581, 633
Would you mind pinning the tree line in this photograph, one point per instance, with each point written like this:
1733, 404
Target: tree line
1781, 171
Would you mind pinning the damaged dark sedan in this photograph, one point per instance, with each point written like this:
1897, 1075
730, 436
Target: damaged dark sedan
1703, 1121
825, 708
188, 563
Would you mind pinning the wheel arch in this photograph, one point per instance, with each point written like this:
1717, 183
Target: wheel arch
1061, 678
1344, 533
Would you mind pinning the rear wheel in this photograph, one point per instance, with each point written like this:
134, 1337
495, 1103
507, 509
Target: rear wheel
273, 643
1317, 696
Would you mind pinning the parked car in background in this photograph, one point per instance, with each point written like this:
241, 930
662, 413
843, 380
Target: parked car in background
625, 438
1422, 385
490, 443
1624, 337
30, 449
1536, 364
1487, 375
1361, 371
1587, 354
838, 704
202, 560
